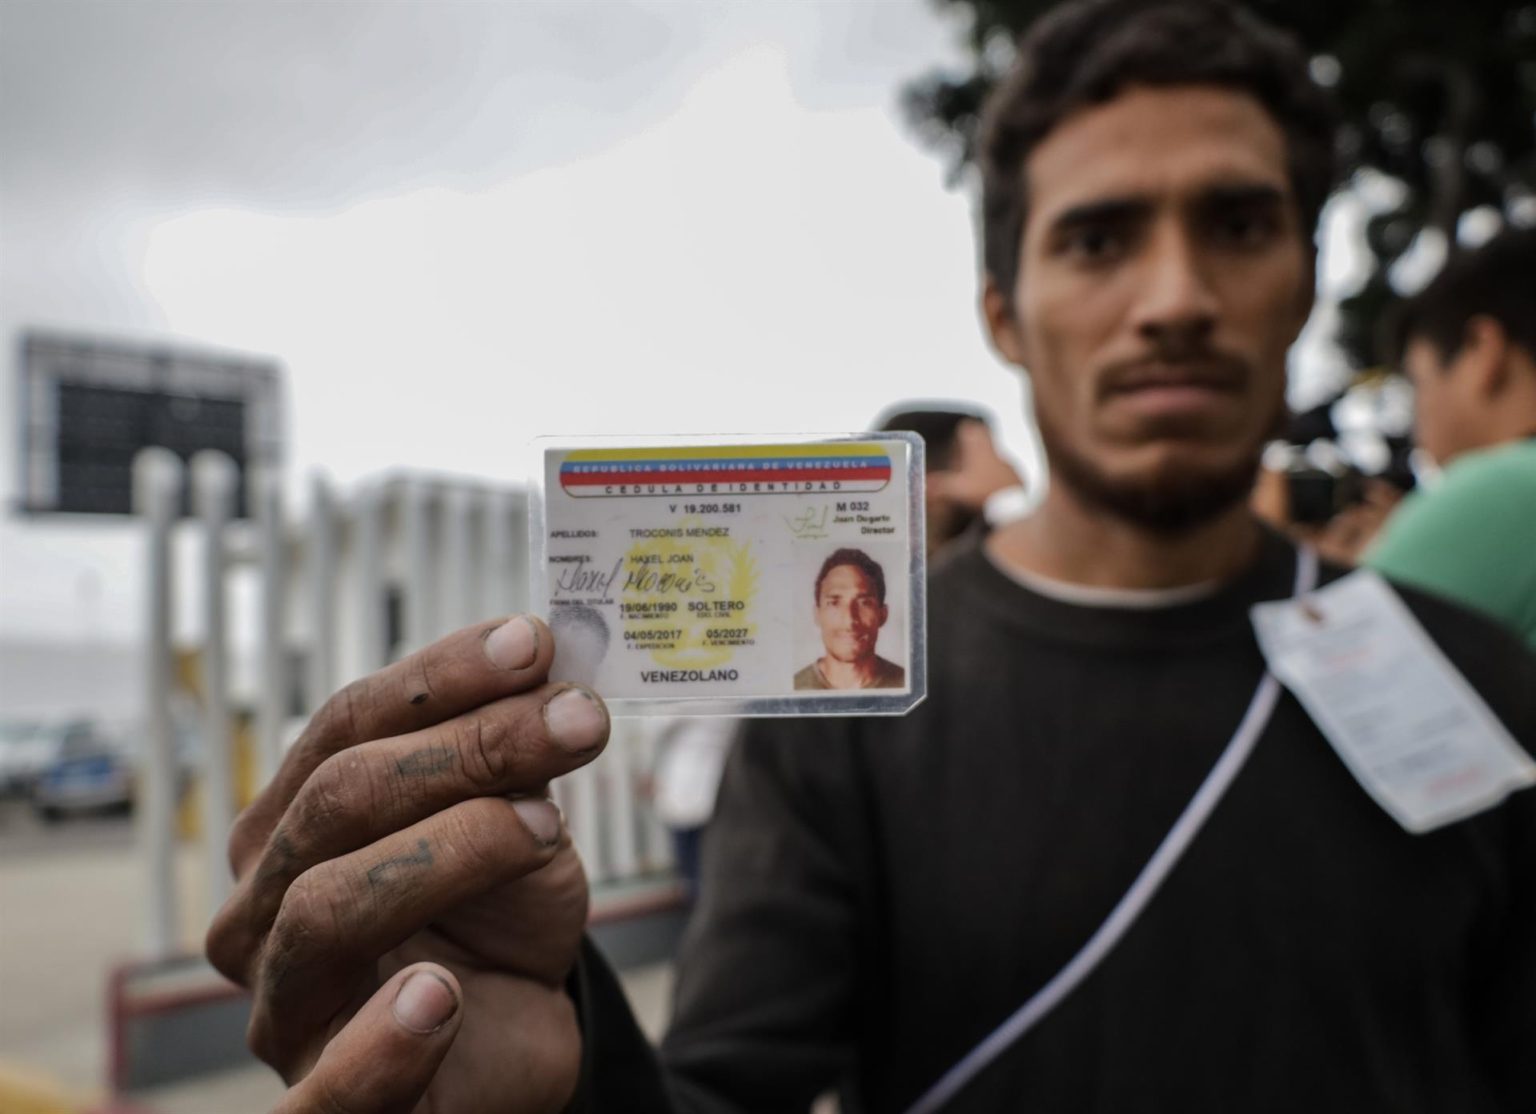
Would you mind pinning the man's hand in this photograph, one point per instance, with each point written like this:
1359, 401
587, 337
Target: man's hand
408, 905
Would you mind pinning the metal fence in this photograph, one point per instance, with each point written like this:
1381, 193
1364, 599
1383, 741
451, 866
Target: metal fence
365, 577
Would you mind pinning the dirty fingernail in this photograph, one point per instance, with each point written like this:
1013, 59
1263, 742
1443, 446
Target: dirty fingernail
540, 817
424, 1003
514, 644
576, 721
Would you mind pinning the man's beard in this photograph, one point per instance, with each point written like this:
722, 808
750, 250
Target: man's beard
1182, 500
1167, 505
1163, 504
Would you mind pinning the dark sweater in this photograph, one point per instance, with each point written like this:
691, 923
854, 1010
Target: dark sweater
880, 893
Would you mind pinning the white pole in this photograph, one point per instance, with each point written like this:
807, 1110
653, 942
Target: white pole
490, 598
515, 571
157, 479
456, 572
273, 686
500, 594
368, 563
418, 617
655, 839
320, 567
620, 813
583, 805
214, 478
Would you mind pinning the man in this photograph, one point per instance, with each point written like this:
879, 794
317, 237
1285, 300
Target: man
968, 485
881, 893
1469, 346
850, 610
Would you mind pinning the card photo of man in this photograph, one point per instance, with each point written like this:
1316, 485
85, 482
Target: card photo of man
850, 612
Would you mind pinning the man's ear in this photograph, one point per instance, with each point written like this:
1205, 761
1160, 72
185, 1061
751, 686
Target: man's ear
1002, 323
885, 613
1484, 356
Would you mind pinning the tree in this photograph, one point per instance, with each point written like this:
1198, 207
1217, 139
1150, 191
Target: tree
1438, 95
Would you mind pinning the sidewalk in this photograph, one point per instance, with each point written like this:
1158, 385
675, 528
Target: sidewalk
70, 910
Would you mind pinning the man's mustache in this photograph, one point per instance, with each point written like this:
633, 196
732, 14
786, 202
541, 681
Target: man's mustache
1203, 367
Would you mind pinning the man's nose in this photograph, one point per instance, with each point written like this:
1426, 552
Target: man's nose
1177, 306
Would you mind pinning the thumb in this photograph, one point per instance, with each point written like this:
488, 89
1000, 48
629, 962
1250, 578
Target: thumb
385, 1057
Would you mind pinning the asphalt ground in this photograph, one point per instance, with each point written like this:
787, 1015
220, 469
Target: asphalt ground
71, 909
22, 832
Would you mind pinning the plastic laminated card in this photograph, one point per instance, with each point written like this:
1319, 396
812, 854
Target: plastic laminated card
779, 575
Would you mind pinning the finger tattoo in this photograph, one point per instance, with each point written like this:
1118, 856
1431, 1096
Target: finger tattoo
421, 857
423, 763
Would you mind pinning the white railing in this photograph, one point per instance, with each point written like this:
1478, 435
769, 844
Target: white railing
363, 579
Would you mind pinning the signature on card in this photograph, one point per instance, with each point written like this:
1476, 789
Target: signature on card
810, 523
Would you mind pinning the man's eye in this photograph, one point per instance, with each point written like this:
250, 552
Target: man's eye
1094, 244
1245, 230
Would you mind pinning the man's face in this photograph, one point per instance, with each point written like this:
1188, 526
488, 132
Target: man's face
1162, 278
1447, 418
849, 614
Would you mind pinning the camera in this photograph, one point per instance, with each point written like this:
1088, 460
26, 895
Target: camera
1314, 495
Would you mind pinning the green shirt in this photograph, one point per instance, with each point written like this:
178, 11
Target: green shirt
1472, 536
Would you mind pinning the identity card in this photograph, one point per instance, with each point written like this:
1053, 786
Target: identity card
726, 576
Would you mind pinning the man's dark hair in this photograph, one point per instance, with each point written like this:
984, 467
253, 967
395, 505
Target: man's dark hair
859, 560
1496, 280
937, 426
1086, 53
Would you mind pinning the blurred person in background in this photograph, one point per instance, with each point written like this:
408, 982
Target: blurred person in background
1468, 343
969, 487
1335, 510
690, 757
881, 894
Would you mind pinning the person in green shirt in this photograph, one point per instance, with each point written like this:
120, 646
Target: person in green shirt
1468, 343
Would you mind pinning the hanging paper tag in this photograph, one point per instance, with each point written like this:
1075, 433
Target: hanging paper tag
1410, 728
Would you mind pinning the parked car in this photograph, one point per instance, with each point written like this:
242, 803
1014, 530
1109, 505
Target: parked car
26, 750
92, 773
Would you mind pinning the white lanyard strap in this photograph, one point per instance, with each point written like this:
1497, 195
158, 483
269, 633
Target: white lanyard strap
1129, 907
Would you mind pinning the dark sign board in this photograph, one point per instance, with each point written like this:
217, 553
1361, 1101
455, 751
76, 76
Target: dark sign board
88, 406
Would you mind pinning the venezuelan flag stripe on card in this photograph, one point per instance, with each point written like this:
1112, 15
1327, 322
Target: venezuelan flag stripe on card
726, 470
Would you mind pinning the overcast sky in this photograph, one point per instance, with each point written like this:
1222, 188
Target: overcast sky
461, 225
